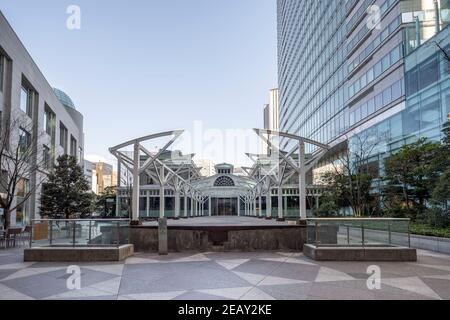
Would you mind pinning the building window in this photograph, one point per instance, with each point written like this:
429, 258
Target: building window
63, 136
25, 101
46, 158
23, 188
24, 141
2, 68
224, 181
49, 121
73, 147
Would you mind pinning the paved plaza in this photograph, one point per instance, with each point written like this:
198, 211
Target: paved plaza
254, 276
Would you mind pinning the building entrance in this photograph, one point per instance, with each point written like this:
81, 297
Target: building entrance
224, 206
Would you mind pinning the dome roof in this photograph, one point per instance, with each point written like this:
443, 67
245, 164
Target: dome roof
64, 98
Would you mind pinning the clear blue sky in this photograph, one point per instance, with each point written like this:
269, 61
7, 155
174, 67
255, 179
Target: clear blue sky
143, 66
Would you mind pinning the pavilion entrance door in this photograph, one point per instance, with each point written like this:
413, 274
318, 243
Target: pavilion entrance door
226, 207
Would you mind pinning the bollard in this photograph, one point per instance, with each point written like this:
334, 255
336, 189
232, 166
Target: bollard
162, 236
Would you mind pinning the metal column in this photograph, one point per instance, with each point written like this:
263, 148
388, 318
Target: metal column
209, 207
280, 202
269, 204
302, 180
135, 195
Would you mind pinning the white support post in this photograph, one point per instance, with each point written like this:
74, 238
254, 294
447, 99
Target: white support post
239, 206
280, 202
147, 207
162, 202
302, 180
177, 203
260, 205
162, 196
209, 207
269, 204
254, 207
185, 204
192, 206
135, 196
119, 184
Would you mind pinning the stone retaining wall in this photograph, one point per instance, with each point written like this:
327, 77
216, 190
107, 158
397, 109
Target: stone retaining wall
208, 238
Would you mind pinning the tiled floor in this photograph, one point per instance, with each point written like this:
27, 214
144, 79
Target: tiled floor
259, 276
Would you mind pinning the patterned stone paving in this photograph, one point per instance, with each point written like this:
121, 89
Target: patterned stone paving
239, 276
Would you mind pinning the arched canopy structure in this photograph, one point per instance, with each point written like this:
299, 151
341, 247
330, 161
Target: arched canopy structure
157, 180
280, 166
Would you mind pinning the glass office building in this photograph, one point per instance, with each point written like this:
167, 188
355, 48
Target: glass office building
427, 106
372, 66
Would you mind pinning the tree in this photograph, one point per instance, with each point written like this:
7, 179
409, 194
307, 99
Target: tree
441, 193
19, 163
329, 205
410, 175
352, 175
66, 194
102, 199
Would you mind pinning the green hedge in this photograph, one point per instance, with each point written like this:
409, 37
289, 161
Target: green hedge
426, 230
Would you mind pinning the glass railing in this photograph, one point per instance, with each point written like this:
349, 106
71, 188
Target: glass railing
358, 232
79, 232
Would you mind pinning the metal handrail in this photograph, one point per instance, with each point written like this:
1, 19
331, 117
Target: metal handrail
83, 220
362, 224
72, 226
358, 219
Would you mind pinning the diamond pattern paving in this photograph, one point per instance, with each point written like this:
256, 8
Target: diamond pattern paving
234, 275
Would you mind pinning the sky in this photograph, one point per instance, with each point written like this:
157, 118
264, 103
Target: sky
139, 67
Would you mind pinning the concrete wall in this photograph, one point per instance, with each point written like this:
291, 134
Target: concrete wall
441, 245
209, 239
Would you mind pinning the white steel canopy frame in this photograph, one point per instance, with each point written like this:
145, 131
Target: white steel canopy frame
300, 166
156, 169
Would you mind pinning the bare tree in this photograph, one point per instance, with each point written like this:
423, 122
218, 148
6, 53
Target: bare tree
19, 161
352, 174
445, 54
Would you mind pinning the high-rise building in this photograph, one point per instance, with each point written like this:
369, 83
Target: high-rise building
104, 177
49, 122
271, 114
343, 66
89, 170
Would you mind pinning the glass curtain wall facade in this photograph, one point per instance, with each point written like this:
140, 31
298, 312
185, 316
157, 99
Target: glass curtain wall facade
341, 73
427, 74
